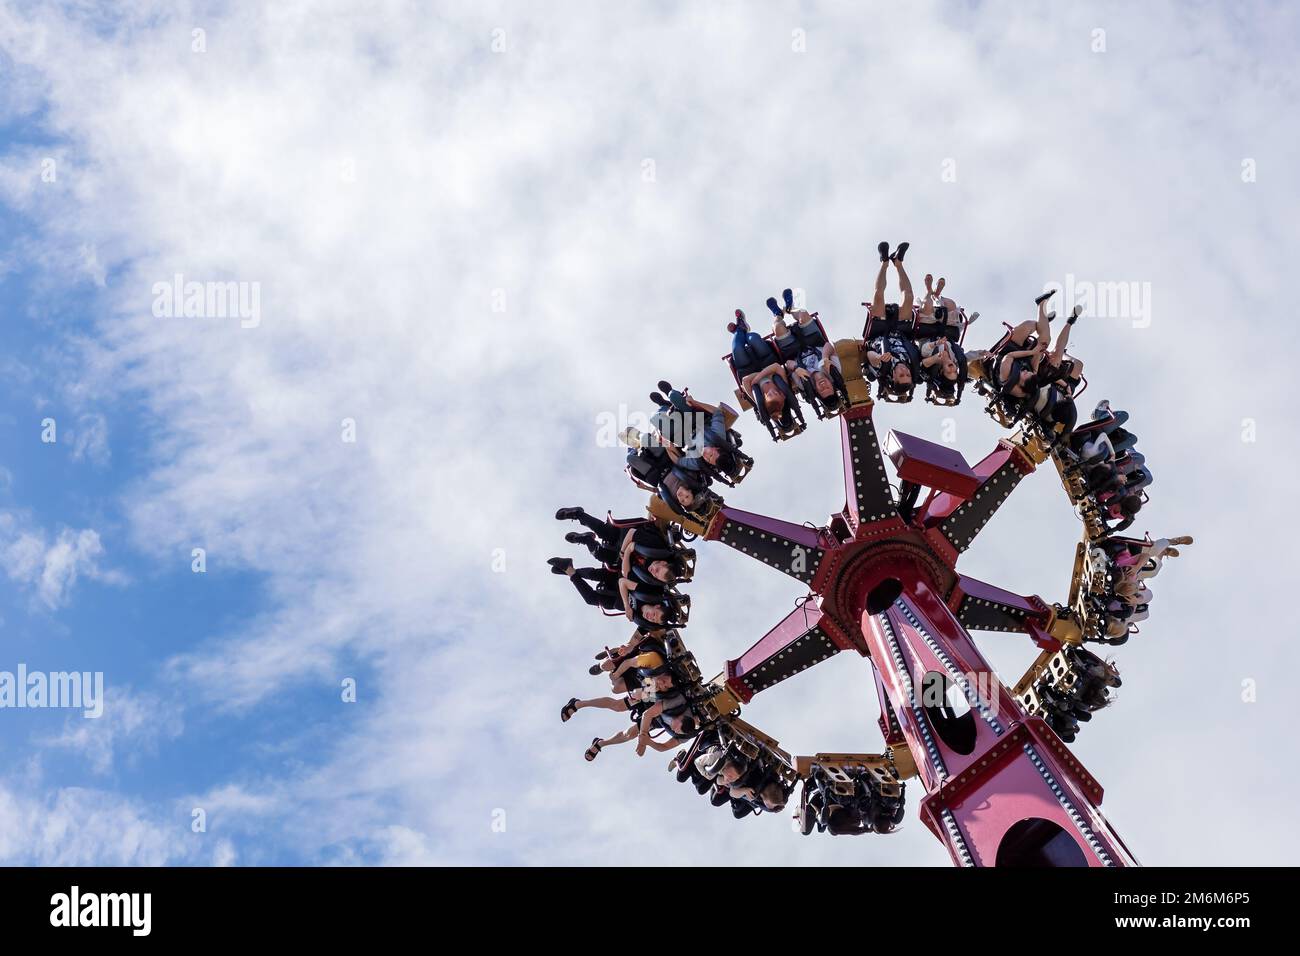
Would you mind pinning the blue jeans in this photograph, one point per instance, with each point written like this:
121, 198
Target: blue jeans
673, 420
750, 352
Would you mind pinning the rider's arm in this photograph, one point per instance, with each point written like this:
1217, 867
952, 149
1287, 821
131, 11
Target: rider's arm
1004, 369
702, 406
637, 637
628, 546
623, 590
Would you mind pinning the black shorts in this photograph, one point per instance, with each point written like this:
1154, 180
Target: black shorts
1051, 374
925, 331
878, 326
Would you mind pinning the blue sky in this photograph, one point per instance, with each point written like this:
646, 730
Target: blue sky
132, 611
149, 608
386, 179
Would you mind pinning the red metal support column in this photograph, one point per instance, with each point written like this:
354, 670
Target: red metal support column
1001, 788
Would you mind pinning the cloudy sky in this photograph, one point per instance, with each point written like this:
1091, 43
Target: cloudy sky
476, 231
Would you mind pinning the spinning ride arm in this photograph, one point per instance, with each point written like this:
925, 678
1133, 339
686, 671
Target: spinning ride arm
870, 504
983, 607
955, 521
793, 549
805, 637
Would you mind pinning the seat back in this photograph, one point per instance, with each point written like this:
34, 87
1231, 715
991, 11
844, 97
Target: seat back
906, 325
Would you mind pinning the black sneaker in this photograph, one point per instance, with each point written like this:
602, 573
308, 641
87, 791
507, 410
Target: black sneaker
577, 537
1044, 297
658, 399
788, 296
901, 251
883, 249
771, 304
559, 565
568, 514
665, 387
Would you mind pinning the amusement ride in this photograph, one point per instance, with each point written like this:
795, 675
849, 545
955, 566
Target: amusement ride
883, 579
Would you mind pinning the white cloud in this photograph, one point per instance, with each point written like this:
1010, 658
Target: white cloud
75, 826
131, 724
50, 565
90, 439
381, 178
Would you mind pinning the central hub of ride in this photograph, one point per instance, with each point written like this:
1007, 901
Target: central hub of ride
862, 575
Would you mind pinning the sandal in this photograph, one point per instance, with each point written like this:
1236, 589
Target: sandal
593, 750
568, 710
